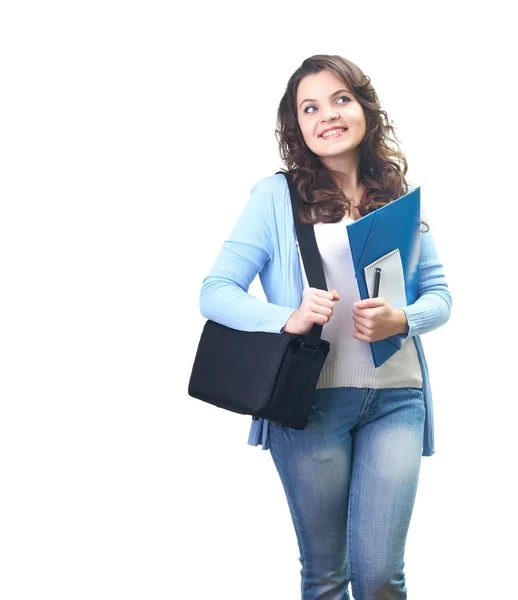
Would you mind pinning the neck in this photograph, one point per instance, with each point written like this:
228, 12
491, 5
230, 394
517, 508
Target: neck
348, 169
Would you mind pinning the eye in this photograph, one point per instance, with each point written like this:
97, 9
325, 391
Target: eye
313, 106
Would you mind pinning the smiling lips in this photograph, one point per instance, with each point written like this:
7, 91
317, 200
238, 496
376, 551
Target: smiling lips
333, 133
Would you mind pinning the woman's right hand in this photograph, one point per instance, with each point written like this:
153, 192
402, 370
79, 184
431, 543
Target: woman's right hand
316, 307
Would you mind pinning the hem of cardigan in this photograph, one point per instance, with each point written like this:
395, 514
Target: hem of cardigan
259, 434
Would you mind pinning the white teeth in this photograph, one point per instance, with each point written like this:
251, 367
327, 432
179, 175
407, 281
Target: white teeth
332, 132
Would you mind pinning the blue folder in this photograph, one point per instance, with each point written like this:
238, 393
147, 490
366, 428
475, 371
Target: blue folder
395, 226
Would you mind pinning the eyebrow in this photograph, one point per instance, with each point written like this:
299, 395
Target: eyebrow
333, 94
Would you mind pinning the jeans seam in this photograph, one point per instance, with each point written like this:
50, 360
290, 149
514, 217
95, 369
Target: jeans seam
300, 537
374, 406
351, 525
363, 411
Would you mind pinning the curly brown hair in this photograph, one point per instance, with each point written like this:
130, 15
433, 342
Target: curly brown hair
382, 166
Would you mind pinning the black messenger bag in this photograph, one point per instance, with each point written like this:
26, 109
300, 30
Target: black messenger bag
267, 375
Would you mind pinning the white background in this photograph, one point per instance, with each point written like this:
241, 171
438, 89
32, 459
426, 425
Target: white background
131, 135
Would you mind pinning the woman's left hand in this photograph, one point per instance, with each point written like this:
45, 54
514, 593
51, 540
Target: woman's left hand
374, 319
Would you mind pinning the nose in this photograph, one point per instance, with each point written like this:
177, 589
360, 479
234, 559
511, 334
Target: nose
330, 115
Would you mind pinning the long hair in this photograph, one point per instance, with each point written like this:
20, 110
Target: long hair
382, 166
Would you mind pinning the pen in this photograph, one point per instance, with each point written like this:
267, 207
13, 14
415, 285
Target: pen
377, 282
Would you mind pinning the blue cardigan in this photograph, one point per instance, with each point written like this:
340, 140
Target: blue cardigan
264, 242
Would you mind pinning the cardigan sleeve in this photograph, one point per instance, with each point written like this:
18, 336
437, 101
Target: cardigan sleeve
224, 296
433, 305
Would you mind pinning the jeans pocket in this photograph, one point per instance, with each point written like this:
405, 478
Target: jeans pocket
415, 392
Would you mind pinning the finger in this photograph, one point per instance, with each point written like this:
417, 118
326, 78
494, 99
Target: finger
361, 311
367, 335
358, 335
320, 309
364, 329
322, 301
363, 323
319, 319
325, 293
370, 303
366, 313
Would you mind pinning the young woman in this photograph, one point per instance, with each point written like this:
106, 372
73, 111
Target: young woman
351, 475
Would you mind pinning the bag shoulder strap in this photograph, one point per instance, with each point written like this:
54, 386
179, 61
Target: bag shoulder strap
309, 253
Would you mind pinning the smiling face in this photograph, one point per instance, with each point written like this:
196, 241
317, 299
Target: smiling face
324, 102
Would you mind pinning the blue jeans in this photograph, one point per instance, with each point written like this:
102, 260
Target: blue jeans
350, 479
